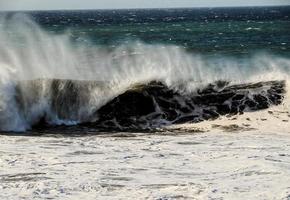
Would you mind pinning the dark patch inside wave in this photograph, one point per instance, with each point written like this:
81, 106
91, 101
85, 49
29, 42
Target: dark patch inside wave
152, 105
155, 104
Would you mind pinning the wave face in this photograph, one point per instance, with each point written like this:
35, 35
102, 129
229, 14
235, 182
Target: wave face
142, 106
48, 79
154, 104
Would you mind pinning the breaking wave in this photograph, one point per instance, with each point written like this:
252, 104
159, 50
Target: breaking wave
47, 79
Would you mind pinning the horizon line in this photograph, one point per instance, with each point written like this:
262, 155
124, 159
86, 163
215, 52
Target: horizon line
146, 8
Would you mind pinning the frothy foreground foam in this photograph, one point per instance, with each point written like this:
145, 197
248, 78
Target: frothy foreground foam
34, 63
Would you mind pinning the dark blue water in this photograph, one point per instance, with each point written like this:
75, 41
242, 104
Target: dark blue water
233, 31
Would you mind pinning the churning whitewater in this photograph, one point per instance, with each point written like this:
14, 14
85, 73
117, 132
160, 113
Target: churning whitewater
46, 80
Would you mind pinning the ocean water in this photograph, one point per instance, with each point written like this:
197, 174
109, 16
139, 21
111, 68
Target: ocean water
154, 103
226, 31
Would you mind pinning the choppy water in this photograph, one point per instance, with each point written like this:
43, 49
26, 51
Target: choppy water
221, 30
